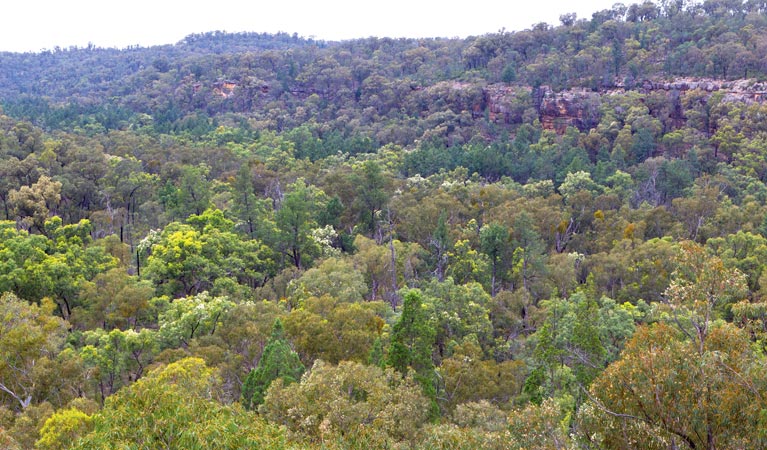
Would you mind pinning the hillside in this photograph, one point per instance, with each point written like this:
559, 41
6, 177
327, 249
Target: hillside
547, 238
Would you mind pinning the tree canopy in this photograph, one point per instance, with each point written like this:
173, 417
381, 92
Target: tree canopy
544, 238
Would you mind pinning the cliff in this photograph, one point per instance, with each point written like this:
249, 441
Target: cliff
579, 108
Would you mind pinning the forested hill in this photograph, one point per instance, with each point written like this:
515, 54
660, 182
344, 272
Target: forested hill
268, 77
548, 238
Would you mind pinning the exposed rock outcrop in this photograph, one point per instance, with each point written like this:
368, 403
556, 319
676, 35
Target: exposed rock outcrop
579, 108
748, 91
572, 108
500, 108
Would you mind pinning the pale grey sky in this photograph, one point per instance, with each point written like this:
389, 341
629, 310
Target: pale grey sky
33, 25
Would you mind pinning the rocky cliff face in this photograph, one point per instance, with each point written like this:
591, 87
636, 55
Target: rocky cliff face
573, 108
579, 108
499, 102
748, 91
556, 110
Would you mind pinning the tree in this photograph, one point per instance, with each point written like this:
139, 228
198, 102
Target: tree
664, 392
541, 426
700, 288
277, 361
246, 206
336, 277
696, 210
239, 340
727, 141
176, 406
176, 264
457, 312
744, 251
114, 299
578, 181
469, 377
749, 158
440, 243
204, 254
33, 204
529, 253
117, 357
467, 264
186, 318
127, 187
56, 266
494, 242
189, 194
295, 219
27, 424
700, 373
571, 346
347, 399
411, 345
62, 428
15, 173
30, 339
370, 195
333, 330
376, 263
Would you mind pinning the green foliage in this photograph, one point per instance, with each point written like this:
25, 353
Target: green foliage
30, 339
578, 181
56, 266
345, 400
698, 398
494, 242
277, 361
116, 357
295, 220
334, 276
328, 329
189, 195
451, 436
470, 377
176, 407
7, 441
529, 255
744, 251
457, 312
491, 173
115, 299
411, 344
187, 318
190, 259
370, 195
467, 264
376, 356
32, 204
573, 345
541, 426
62, 428
27, 425
700, 290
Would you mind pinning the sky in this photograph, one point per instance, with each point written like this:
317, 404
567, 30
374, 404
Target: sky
34, 25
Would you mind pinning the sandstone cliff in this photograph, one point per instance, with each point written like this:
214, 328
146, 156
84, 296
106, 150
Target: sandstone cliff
579, 108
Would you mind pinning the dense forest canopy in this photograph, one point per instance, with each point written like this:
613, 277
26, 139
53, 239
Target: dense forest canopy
548, 238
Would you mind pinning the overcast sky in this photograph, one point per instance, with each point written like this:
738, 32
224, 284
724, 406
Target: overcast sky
34, 25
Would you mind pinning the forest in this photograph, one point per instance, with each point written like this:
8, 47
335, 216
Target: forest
553, 238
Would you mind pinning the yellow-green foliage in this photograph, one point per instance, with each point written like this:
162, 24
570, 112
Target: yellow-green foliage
63, 428
177, 407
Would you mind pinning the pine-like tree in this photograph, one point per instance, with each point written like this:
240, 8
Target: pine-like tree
411, 345
277, 361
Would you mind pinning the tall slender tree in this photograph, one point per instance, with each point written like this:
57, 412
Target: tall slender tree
277, 361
